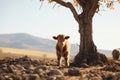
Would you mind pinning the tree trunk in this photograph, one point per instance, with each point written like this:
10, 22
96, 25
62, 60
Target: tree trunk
87, 50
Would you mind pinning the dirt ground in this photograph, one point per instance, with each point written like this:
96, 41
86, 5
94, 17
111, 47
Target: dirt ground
24, 67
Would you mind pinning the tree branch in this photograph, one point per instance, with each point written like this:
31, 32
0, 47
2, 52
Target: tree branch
94, 7
89, 7
70, 6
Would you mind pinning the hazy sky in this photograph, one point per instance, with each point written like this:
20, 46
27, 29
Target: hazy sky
26, 16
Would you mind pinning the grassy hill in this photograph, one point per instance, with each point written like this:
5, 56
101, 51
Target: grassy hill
26, 41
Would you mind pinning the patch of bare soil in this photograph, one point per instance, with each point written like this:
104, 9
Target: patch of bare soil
26, 68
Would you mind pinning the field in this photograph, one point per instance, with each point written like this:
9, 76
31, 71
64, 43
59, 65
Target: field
11, 52
16, 64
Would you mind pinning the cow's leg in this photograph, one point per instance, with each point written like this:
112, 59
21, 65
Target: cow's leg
59, 60
66, 61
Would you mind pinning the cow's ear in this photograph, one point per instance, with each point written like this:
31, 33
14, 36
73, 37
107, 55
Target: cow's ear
67, 37
54, 37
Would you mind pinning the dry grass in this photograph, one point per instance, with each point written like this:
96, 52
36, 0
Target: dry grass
11, 52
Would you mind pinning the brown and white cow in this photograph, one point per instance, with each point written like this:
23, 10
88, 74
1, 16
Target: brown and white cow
62, 48
116, 53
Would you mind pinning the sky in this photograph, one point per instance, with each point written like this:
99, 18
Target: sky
27, 16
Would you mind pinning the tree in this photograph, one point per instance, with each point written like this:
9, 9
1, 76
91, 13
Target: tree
88, 54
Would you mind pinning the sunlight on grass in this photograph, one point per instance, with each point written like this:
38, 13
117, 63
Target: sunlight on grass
11, 52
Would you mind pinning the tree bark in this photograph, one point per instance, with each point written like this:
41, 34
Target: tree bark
88, 54
87, 50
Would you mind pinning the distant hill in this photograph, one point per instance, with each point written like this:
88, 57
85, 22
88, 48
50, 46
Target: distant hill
29, 42
26, 41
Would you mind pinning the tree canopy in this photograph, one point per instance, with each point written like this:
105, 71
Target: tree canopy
75, 4
82, 3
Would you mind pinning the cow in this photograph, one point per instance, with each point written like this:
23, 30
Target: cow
116, 53
62, 48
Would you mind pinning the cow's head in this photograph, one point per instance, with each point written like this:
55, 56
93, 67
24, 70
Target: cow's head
61, 38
